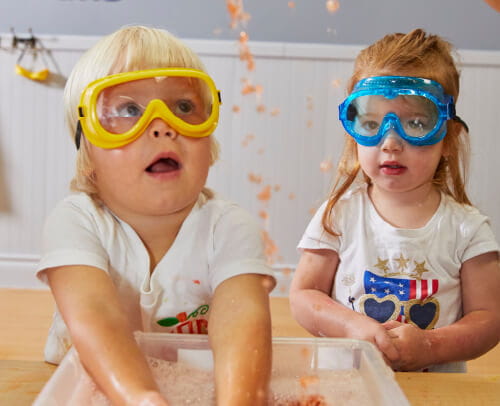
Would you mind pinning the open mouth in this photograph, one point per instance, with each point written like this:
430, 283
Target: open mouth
164, 165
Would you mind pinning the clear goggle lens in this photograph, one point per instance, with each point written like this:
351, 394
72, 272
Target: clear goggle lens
416, 116
121, 106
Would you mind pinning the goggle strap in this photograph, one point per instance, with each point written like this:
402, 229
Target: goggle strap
78, 135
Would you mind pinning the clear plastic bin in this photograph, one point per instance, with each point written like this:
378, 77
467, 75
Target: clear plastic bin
293, 360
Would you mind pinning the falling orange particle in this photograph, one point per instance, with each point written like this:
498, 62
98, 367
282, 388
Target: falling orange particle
291, 196
286, 272
276, 111
270, 248
332, 5
247, 89
326, 165
312, 210
307, 380
291, 4
236, 109
243, 37
261, 108
336, 83
264, 215
254, 178
277, 188
265, 194
247, 139
260, 151
309, 123
236, 12
196, 281
217, 31
259, 89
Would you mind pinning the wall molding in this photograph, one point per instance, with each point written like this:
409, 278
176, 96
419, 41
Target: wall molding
291, 50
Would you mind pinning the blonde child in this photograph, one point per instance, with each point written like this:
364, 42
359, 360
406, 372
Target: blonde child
397, 255
143, 244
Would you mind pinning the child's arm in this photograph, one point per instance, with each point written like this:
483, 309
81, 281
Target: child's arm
239, 329
474, 334
90, 307
318, 313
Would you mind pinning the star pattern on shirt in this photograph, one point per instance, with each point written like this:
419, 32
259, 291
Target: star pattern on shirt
402, 262
419, 270
382, 264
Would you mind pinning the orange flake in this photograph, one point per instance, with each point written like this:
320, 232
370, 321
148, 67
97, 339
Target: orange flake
270, 248
254, 178
247, 88
336, 83
277, 188
264, 215
312, 210
291, 4
260, 151
259, 89
243, 37
307, 380
332, 6
309, 123
196, 281
286, 272
265, 194
276, 111
326, 165
261, 108
236, 109
217, 31
305, 352
291, 196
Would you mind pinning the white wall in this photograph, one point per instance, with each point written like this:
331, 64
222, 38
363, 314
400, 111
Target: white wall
284, 145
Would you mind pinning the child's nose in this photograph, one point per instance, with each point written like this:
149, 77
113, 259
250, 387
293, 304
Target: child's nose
159, 128
391, 142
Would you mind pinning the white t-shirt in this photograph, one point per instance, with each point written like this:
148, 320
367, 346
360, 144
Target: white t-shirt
409, 275
217, 240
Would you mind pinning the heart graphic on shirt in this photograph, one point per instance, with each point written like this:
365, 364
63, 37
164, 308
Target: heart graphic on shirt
422, 313
380, 309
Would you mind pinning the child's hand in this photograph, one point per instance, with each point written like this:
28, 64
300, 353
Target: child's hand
365, 328
150, 398
413, 346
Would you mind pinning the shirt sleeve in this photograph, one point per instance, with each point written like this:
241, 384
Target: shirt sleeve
70, 238
316, 237
238, 247
481, 239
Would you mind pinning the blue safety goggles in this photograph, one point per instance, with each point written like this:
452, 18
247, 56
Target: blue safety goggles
416, 109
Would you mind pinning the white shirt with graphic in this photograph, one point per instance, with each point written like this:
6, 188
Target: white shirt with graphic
217, 240
409, 275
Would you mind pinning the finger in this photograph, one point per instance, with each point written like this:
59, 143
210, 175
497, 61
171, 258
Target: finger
389, 325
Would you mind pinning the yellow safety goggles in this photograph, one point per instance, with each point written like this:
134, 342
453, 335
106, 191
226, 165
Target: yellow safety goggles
117, 109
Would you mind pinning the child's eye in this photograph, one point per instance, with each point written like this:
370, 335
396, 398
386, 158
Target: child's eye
416, 124
128, 110
184, 107
370, 125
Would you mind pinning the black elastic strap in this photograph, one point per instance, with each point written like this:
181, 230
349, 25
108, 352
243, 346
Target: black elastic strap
78, 135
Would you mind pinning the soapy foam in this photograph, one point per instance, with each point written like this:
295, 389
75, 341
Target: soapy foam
183, 385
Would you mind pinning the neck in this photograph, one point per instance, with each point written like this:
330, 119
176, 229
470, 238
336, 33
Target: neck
409, 209
158, 233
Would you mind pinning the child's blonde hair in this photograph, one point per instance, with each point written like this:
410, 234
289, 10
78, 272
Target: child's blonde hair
130, 48
414, 54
